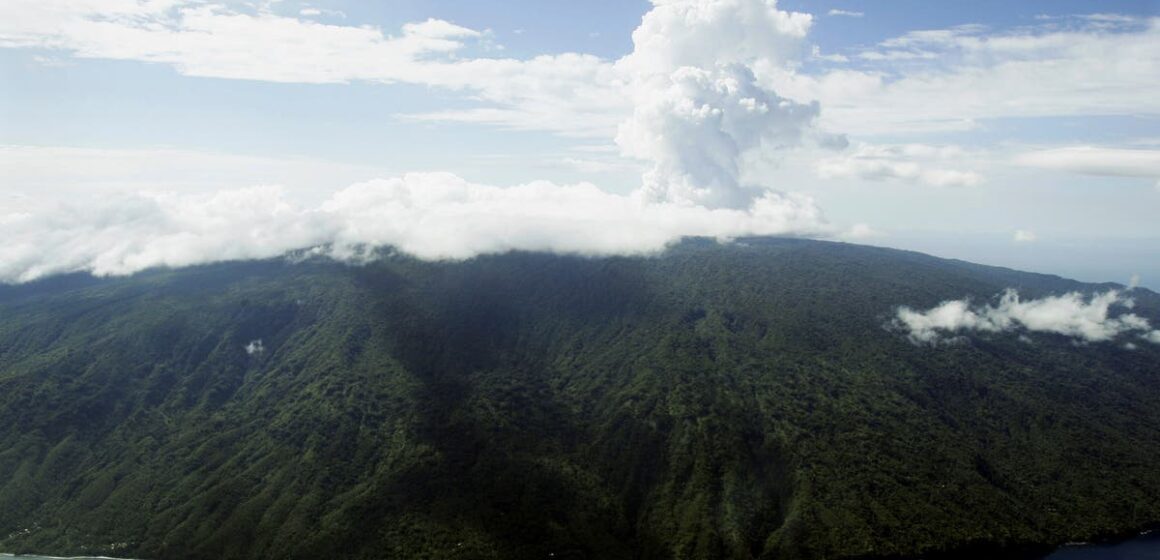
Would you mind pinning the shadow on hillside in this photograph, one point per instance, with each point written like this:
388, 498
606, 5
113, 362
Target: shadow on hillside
508, 458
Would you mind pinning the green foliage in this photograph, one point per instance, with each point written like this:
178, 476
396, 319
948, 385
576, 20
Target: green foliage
721, 401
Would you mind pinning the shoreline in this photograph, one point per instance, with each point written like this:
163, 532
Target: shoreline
973, 550
1112, 539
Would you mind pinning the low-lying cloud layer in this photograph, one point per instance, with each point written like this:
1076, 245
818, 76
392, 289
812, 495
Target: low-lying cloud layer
429, 215
1074, 315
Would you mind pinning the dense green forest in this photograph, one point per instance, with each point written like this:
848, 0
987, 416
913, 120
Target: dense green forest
746, 400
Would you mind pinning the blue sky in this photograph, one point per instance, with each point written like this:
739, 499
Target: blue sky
1020, 134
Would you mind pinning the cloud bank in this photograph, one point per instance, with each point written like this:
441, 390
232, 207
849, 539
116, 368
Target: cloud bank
1072, 315
428, 215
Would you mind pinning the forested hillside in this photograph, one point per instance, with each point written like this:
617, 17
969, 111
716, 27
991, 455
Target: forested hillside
747, 400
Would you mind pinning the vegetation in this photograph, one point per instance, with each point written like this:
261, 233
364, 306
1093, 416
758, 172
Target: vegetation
721, 401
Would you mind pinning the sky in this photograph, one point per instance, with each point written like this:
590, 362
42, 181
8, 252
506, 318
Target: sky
141, 133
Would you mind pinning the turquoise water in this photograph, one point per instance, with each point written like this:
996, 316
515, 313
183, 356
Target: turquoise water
1146, 547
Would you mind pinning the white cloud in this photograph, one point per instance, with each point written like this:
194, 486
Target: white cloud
697, 107
213, 41
693, 106
922, 81
568, 93
878, 56
1024, 236
846, 13
1092, 160
860, 232
63, 171
696, 125
707, 82
706, 33
431, 216
816, 53
571, 94
594, 165
908, 162
950, 79
255, 347
697, 111
1070, 315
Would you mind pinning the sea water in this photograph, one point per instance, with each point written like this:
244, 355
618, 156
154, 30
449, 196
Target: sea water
1144, 547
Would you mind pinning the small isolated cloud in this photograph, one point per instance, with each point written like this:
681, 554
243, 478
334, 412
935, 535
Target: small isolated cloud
1024, 236
1094, 18
816, 53
255, 347
1111, 21
859, 232
1073, 315
1134, 282
845, 13
894, 56
311, 12
52, 61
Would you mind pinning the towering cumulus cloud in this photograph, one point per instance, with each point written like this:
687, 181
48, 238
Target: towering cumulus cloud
697, 110
697, 105
1070, 315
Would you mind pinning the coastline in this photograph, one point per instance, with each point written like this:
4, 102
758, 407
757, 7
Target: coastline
1112, 539
1022, 550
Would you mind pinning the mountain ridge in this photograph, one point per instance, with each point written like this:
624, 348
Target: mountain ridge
745, 400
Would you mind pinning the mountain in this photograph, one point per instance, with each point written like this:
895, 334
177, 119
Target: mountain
742, 400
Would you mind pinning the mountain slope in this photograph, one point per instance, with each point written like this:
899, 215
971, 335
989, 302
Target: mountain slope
720, 401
